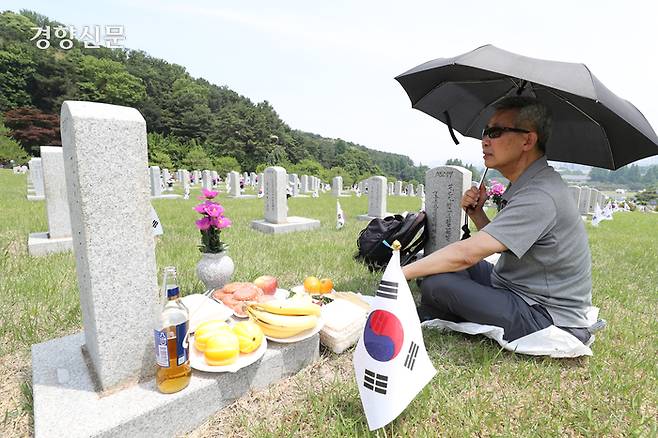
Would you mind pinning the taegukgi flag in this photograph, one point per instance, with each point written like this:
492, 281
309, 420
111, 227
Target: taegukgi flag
340, 217
391, 364
597, 216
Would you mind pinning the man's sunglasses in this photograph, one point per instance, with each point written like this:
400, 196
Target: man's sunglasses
497, 131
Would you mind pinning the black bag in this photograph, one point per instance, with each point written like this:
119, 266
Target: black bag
374, 252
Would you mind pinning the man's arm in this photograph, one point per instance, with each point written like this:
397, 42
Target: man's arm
472, 202
479, 218
455, 257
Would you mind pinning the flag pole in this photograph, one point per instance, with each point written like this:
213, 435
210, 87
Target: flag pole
465, 229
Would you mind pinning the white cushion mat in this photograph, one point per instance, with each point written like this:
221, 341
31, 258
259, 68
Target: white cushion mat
551, 341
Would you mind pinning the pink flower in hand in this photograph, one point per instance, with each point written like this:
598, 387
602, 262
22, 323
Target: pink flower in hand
203, 223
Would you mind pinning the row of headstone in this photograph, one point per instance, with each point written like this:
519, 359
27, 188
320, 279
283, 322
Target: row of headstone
58, 237
159, 181
586, 198
276, 183
36, 191
376, 199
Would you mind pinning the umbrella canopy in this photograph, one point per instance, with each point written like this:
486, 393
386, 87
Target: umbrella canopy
591, 125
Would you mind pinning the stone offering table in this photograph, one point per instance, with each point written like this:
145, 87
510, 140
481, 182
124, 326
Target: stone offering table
66, 402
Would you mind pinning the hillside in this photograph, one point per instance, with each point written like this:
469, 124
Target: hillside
191, 122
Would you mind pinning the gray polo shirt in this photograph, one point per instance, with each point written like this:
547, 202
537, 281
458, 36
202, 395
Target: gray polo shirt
548, 259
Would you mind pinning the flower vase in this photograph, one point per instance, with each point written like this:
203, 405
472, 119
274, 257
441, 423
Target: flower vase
215, 269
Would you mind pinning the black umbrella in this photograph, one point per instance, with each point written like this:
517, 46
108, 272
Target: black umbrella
591, 125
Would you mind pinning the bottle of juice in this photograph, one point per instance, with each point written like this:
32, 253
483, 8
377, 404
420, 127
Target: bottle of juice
171, 339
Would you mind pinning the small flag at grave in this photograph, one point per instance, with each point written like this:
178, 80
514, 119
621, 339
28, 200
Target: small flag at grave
598, 215
155, 223
391, 364
340, 217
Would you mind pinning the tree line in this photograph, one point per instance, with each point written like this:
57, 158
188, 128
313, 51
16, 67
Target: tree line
191, 122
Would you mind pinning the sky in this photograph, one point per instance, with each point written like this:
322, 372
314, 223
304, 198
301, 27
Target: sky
328, 67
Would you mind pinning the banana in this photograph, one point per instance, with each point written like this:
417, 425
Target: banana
281, 326
278, 332
306, 321
289, 307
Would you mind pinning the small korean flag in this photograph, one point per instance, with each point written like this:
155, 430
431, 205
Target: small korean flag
340, 217
155, 223
598, 215
391, 364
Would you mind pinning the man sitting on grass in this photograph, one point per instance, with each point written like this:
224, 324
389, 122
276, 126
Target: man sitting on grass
543, 276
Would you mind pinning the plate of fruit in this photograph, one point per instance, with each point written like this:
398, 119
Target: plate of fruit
218, 347
287, 320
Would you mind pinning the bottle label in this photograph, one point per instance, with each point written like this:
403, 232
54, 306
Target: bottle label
161, 350
182, 345
172, 291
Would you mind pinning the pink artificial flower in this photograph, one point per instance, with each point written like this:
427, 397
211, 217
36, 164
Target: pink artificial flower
203, 223
213, 210
209, 194
201, 208
220, 222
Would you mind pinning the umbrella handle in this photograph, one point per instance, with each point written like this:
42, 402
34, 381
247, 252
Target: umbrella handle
465, 229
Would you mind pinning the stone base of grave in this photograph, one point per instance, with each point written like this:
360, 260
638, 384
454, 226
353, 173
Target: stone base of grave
293, 224
39, 244
36, 198
65, 402
170, 196
243, 196
365, 217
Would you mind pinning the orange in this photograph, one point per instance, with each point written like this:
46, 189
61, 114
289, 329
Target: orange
326, 285
312, 285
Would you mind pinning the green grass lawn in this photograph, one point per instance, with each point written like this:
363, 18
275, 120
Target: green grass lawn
478, 389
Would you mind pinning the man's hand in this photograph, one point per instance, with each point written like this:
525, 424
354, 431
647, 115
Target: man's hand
474, 199
472, 203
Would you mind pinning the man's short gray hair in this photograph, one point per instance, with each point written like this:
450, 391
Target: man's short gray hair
532, 114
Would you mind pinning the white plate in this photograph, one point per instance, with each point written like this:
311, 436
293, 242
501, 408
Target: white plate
281, 294
203, 308
198, 360
301, 336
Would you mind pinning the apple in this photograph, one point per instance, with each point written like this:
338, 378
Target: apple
268, 283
